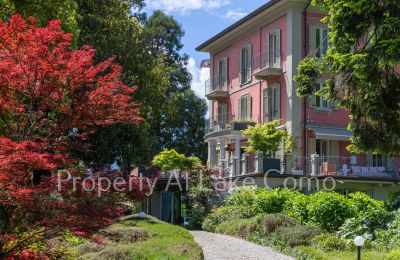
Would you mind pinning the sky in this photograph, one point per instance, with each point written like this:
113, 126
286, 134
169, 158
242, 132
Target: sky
202, 19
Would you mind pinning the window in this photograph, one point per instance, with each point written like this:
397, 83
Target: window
272, 103
273, 49
244, 107
245, 64
378, 160
322, 147
319, 40
222, 74
318, 101
222, 115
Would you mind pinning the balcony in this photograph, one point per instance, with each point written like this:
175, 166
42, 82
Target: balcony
263, 69
227, 125
217, 88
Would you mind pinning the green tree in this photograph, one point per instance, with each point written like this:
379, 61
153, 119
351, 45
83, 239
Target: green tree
265, 138
363, 61
183, 126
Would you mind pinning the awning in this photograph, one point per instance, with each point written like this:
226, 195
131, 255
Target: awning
331, 133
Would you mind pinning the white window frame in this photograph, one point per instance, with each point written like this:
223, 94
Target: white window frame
246, 61
245, 107
222, 74
318, 102
273, 49
317, 37
272, 103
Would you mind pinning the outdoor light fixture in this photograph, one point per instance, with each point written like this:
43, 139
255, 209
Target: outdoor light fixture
359, 242
142, 215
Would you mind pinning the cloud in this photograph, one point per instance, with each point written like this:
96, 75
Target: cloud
199, 77
234, 14
184, 6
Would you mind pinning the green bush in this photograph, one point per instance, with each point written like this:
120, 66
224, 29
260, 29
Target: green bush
244, 196
394, 255
364, 203
273, 222
329, 242
365, 225
272, 201
226, 213
296, 207
389, 237
297, 235
239, 228
121, 234
329, 210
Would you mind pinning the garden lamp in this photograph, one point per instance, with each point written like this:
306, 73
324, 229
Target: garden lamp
359, 242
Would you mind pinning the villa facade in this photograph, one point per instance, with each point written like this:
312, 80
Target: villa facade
252, 65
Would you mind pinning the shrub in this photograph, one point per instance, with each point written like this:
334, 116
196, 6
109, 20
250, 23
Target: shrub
298, 235
389, 237
365, 225
394, 255
222, 214
120, 234
329, 242
364, 203
240, 227
244, 196
272, 201
273, 222
296, 207
329, 210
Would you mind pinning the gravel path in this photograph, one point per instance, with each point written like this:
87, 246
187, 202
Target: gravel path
219, 247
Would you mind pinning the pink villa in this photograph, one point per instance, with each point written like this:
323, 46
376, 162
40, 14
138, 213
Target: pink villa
253, 63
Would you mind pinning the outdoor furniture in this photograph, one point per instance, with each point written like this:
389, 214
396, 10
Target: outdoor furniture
356, 170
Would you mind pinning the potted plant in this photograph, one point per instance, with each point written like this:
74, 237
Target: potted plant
265, 138
242, 124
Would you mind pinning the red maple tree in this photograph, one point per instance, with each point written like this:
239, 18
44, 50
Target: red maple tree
51, 99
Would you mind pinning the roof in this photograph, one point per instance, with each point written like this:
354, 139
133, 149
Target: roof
238, 23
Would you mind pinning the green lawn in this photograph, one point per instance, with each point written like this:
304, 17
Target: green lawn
136, 239
303, 252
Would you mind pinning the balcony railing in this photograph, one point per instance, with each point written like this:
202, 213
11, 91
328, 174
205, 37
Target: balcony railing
264, 69
228, 121
217, 87
355, 166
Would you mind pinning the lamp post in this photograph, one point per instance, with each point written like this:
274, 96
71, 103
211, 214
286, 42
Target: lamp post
359, 242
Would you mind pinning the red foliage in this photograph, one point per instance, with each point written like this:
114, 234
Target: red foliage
51, 99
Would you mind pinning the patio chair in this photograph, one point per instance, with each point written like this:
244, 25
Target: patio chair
365, 171
356, 170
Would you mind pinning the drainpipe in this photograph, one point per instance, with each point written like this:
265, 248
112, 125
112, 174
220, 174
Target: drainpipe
260, 117
305, 99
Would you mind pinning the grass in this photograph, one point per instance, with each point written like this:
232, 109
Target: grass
304, 252
154, 240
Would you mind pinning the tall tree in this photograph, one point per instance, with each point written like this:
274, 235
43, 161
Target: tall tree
52, 99
363, 61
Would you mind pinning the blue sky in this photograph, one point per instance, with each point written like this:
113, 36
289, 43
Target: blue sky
202, 19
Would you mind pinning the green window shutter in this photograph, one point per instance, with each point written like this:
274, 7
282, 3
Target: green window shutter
265, 105
240, 66
226, 73
270, 103
278, 48
277, 102
218, 76
313, 40
267, 54
249, 107
248, 62
223, 75
239, 111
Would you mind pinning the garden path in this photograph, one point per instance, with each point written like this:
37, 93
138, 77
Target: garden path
220, 247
